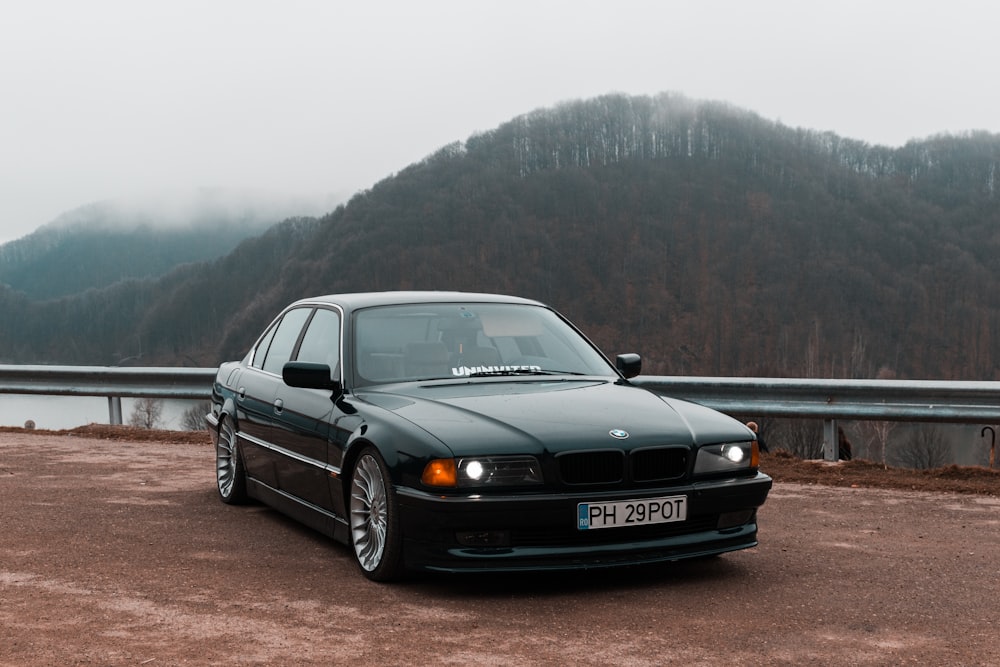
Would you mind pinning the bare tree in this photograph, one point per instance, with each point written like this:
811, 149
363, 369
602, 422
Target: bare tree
875, 437
193, 418
800, 437
874, 434
147, 413
924, 450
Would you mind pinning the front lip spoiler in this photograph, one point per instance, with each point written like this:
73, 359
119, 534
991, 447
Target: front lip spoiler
521, 559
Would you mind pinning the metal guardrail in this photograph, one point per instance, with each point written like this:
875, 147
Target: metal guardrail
829, 400
863, 400
110, 381
194, 383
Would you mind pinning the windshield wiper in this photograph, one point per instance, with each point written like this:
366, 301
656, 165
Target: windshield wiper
517, 371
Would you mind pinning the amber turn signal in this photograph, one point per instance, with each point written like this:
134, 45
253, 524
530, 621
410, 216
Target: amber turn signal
755, 455
440, 472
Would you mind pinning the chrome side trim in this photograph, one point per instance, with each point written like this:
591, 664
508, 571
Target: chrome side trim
325, 467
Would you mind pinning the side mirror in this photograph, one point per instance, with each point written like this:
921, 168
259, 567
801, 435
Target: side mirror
629, 365
309, 376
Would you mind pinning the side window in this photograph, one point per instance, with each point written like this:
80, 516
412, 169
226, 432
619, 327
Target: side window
283, 342
261, 351
321, 344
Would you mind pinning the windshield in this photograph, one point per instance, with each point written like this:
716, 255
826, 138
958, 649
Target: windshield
453, 340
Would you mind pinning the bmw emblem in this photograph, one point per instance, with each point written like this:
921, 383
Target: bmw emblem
618, 433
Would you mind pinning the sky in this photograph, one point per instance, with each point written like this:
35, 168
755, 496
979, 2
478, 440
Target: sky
111, 99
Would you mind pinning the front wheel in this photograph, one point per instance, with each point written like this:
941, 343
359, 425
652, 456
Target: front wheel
374, 520
230, 474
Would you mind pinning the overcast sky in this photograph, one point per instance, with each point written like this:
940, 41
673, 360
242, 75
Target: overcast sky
105, 99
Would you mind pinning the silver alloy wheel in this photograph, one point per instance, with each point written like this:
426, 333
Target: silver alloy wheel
225, 459
369, 512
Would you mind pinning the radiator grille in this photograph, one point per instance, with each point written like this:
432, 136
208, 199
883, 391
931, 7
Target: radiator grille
659, 464
613, 466
601, 467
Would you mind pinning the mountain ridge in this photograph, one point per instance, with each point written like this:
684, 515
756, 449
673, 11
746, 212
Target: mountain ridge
102, 243
712, 240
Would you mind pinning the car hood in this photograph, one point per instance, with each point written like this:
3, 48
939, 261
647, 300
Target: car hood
483, 417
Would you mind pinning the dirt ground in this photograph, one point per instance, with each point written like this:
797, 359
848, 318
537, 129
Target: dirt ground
114, 550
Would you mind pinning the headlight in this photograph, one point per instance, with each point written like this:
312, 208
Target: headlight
483, 471
726, 457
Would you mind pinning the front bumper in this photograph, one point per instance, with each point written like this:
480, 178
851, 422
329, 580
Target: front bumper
539, 531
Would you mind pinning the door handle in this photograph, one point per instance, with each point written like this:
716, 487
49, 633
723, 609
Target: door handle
242, 392
279, 405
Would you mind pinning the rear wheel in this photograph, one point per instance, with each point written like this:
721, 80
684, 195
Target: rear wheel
230, 475
375, 533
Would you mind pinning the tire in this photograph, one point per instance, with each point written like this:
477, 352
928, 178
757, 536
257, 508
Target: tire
230, 473
374, 519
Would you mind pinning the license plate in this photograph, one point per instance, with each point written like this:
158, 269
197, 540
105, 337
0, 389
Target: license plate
631, 512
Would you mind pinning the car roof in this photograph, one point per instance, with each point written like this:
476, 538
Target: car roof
359, 300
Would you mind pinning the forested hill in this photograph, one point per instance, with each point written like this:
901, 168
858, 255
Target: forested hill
707, 238
100, 244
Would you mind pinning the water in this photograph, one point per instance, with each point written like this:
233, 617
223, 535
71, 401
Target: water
64, 412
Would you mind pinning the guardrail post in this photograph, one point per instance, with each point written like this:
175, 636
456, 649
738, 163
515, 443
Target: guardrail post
115, 410
830, 444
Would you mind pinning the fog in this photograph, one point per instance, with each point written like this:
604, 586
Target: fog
113, 99
179, 208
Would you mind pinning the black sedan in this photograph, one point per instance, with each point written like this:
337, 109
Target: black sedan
473, 432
